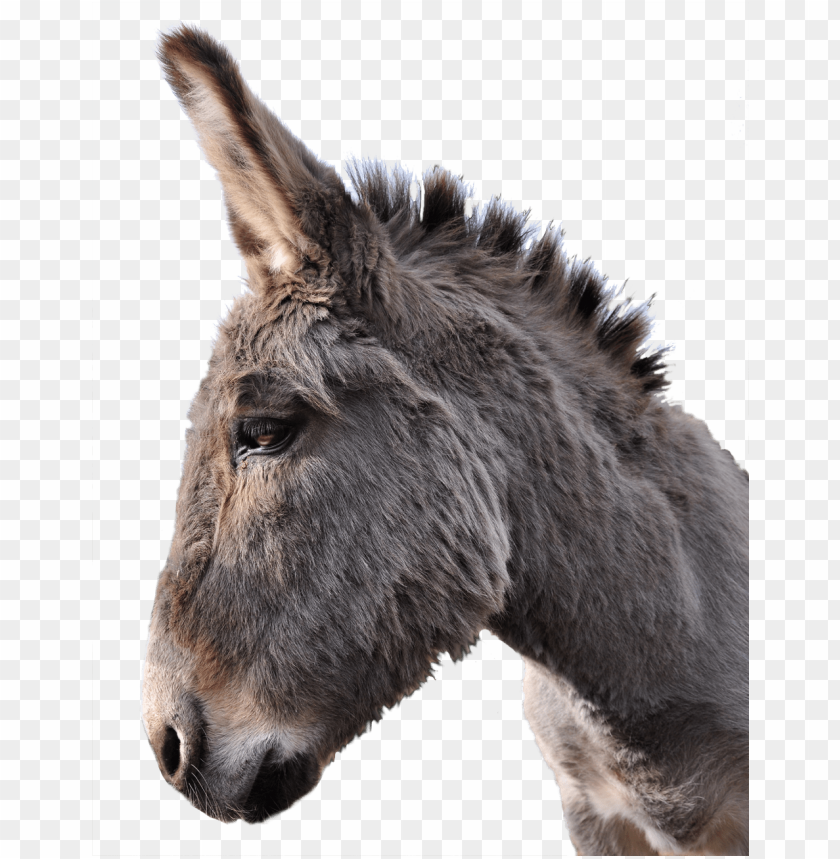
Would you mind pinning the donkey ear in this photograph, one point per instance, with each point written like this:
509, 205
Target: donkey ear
280, 197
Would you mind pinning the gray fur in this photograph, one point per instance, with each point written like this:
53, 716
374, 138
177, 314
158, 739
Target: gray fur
475, 441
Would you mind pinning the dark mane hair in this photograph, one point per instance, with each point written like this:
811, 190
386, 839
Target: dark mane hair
439, 224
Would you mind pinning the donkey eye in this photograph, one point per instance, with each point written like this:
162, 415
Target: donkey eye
261, 435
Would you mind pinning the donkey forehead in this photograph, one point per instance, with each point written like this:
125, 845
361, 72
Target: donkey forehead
273, 327
283, 342
283, 354
226, 394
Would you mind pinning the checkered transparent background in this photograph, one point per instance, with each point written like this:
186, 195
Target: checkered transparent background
690, 148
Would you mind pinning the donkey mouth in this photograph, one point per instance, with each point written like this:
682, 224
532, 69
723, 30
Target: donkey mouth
280, 784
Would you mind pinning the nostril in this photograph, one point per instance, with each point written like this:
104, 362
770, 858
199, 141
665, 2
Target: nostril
171, 751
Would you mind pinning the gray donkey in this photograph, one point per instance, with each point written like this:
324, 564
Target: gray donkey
415, 426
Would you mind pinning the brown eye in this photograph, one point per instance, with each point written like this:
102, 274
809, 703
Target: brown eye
261, 435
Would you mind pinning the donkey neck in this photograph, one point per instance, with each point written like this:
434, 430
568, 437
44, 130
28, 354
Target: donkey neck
600, 592
587, 473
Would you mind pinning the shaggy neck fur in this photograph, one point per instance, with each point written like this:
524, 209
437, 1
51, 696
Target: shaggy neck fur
597, 477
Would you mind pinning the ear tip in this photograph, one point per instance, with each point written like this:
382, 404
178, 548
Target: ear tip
190, 45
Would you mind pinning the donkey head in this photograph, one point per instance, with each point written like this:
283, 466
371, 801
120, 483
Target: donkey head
336, 529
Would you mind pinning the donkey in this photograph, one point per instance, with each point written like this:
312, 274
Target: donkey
419, 424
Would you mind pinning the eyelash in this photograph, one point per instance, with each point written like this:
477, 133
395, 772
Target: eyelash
261, 426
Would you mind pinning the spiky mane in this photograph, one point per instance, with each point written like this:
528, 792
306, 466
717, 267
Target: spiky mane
580, 294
